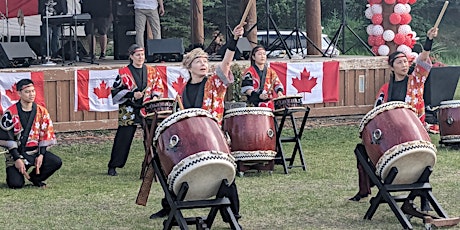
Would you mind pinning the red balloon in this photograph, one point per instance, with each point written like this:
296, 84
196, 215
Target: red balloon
375, 49
403, 1
371, 40
390, 2
377, 19
399, 39
377, 1
395, 18
412, 1
379, 40
405, 19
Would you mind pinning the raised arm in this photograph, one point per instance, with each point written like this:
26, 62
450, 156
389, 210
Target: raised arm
425, 54
231, 47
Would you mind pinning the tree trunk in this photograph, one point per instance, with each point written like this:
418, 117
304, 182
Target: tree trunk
197, 23
313, 21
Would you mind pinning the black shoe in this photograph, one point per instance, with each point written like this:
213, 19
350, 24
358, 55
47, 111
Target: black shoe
160, 214
102, 56
358, 197
112, 172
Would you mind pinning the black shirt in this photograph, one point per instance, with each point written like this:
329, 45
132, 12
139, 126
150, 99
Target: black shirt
192, 92
399, 90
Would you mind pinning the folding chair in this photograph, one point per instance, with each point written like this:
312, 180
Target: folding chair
177, 204
281, 158
421, 188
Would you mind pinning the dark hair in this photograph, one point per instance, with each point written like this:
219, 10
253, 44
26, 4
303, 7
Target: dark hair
392, 57
23, 82
132, 49
253, 51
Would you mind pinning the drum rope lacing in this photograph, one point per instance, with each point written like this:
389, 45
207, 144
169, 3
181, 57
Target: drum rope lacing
254, 155
249, 111
381, 108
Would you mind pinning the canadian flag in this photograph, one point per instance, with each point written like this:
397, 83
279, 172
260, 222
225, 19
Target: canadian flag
93, 90
174, 79
8, 93
317, 82
28, 7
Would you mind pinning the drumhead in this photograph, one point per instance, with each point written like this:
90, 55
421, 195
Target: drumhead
410, 158
380, 109
449, 104
176, 117
249, 110
204, 172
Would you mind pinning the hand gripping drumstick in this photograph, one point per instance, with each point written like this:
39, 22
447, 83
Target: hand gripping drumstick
441, 14
179, 102
245, 14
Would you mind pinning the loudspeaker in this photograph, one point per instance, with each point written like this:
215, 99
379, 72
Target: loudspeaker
16, 54
70, 51
123, 8
441, 84
123, 37
170, 49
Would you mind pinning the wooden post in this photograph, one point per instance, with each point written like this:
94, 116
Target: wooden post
387, 10
196, 7
313, 21
251, 20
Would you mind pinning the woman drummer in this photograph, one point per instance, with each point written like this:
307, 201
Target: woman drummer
261, 83
208, 92
406, 84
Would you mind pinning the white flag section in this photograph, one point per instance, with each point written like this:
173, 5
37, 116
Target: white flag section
8, 93
317, 82
93, 90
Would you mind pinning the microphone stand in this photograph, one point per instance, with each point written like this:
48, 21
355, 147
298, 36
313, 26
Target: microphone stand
7, 23
48, 8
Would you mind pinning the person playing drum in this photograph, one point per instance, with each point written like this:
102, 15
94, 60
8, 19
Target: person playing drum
134, 84
407, 85
208, 92
261, 83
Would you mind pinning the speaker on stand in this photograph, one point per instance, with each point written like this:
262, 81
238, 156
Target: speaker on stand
169, 49
124, 31
16, 54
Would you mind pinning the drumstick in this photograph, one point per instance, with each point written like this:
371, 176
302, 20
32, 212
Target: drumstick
26, 175
441, 14
245, 14
179, 101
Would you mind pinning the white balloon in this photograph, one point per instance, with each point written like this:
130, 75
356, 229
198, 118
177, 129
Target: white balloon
368, 13
369, 29
405, 49
384, 50
408, 8
400, 8
388, 35
377, 8
377, 30
414, 55
404, 29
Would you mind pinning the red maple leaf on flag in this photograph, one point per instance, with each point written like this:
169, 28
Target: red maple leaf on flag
103, 91
12, 93
179, 84
305, 83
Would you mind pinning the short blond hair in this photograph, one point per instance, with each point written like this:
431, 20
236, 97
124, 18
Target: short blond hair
192, 55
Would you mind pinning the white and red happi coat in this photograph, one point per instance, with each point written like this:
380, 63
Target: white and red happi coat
271, 85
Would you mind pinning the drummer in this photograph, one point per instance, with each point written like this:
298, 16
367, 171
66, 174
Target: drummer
261, 83
134, 84
207, 91
406, 84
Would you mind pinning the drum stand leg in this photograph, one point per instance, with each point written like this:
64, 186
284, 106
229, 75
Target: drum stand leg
422, 188
298, 132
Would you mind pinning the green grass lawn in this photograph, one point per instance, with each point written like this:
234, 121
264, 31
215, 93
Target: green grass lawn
82, 196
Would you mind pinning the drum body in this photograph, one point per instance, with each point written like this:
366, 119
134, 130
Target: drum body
294, 101
449, 121
394, 137
252, 133
163, 107
193, 149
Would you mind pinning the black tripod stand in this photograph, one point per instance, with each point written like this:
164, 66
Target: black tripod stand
296, 32
341, 31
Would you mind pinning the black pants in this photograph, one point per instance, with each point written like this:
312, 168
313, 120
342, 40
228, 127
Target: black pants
51, 163
121, 145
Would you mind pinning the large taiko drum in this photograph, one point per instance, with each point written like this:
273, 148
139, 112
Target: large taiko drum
283, 102
394, 137
192, 148
252, 133
163, 107
449, 121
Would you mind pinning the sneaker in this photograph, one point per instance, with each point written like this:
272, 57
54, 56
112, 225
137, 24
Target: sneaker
160, 214
112, 172
102, 57
433, 128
